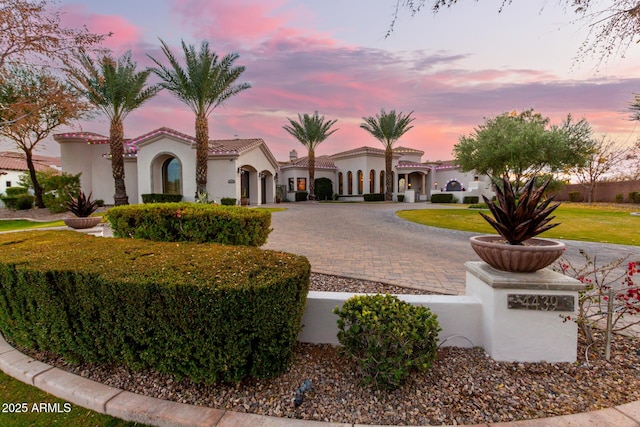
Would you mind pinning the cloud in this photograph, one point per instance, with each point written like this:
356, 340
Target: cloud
125, 35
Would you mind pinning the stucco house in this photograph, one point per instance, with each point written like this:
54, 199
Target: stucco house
362, 171
13, 165
163, 161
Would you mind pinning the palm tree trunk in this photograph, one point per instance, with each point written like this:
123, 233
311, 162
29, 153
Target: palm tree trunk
312, 175
116, 141
37, 189
202, 152
388, 159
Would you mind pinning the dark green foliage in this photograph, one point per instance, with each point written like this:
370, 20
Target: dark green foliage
323, 189
206, 312
518, 217
478, 206
161, 198
228, 201
301, 196
14, 191
57, 188
387, 338
191, 222
634, 197
400, 198
99, 203
82, 206
20, 202
470, 200
374, 197
441, 198
575, 196
619, 198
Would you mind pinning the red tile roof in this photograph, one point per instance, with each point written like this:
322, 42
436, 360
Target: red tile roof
322, 162
15, 161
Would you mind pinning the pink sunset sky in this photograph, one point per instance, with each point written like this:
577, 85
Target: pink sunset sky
452, 69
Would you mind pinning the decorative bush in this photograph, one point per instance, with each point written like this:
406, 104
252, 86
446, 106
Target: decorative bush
470, 200
20, 202
479, 206
374, 197
400, 198
228, 201
56, 186
161, 198
441, 198
323, 188
301, 196
192, 222
575, 196
206, 312
619, 198
15, 191
634, 197
387, 338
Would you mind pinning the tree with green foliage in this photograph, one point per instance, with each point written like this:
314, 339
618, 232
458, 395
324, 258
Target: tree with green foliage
57, 188
310, 131
205, 83
36, 103
115, 87
388, 128
521, 145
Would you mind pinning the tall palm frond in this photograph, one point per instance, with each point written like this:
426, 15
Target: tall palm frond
310, 131
388, 128
116, 88
203, 84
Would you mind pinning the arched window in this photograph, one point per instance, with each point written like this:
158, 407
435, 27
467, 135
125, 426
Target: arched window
171, 176
360, 182
383, 184
453, 185
340, 184
350, 183
372, 178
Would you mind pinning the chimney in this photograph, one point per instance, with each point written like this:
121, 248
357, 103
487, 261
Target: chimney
293, 155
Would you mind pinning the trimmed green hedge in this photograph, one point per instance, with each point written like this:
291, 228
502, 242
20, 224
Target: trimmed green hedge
15, 191
228, 201
21, 201
575, 196
470, 200
634, 197
442, 198
161, 198
374, 197
206, 312
191, 222
301, 196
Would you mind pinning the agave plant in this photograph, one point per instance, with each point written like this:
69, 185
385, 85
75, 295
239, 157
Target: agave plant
82, 206
520, 218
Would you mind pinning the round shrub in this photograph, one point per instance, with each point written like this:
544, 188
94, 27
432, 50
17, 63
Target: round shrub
228, 201
24, 201
387, 338
323, 189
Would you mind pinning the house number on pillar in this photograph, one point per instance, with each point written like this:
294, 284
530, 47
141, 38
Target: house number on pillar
540, 302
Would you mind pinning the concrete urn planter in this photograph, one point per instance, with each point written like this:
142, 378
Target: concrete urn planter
82, 222
533, 255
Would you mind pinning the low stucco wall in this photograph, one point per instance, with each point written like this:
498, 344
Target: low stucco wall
459, 316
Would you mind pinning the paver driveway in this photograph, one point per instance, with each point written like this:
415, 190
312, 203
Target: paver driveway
369, 241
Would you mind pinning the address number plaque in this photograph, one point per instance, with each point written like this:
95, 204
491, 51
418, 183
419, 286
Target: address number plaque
541, 302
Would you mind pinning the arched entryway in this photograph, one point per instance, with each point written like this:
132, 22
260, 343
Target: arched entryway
166, 174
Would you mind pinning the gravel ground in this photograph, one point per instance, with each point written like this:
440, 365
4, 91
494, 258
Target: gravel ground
464, 386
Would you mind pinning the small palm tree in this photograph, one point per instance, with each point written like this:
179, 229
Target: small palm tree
115, 87
310, 131
388, 128
203, 85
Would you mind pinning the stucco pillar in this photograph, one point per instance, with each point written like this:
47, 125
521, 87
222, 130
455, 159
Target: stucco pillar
424, 185
521, 313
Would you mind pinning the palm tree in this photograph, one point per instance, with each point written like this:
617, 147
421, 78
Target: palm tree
310, 131
388, 128
203, 85
116, 88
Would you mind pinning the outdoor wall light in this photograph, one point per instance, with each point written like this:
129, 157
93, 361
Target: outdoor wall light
240, 170
435, 184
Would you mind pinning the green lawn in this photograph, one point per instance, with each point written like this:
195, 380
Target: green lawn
15, 394
271, 209
602, 223
22, 224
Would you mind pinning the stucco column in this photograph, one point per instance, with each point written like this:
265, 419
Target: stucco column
522, 313
424, 185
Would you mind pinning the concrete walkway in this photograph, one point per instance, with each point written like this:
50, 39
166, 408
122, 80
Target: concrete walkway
357, 240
